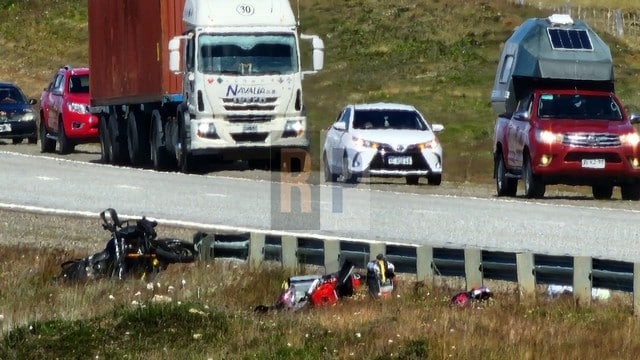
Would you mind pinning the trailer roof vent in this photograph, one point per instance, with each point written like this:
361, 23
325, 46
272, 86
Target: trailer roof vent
560, 19
570, 39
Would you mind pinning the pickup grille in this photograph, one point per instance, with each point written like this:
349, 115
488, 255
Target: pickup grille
591, 140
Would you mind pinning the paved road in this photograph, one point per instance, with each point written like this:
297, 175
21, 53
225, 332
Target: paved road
566, 225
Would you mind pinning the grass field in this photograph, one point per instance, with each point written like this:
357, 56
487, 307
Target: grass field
438, 55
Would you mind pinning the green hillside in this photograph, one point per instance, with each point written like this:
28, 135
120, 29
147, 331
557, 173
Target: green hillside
438, 55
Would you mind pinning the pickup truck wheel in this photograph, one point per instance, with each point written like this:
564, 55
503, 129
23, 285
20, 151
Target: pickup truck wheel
505, 186
65, 146
533, 186
328, 175
105, 140
602, 192
137, 139
630, 192
47, 145
434, 179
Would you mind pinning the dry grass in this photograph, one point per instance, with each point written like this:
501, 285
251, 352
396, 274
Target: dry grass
209, 307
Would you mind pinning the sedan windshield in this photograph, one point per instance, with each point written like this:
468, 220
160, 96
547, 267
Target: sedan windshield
381, 119
247, 54
579, 107
11, 95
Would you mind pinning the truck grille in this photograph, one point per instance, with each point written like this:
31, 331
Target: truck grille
250, 104
591, 140
249, 118
250, 137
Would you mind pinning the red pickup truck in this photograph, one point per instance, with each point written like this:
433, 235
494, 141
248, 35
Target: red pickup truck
568, 136
64, 111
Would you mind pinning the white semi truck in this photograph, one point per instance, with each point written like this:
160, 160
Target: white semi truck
221, 81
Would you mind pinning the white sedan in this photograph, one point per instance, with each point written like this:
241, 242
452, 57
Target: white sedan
382, 139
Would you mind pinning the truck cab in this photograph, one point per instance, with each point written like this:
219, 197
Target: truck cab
242, 80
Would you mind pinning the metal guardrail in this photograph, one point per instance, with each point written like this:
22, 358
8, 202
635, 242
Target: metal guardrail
475, 265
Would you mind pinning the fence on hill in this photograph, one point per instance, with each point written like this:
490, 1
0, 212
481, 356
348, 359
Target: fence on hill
623, 24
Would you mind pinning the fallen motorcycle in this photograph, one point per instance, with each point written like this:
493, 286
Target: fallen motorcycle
132, 250
315, 290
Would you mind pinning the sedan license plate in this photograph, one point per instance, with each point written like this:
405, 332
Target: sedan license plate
5, 127
593, 163
400, 160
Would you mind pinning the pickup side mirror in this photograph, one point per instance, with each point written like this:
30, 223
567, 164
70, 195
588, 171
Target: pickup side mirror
634, 118
340, 126
521, 115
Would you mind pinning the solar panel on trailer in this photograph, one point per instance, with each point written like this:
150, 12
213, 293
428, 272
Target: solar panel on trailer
570, 39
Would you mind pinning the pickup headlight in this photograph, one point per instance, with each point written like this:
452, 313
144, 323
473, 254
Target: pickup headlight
631, 139
548, 137
77, 108
362, 143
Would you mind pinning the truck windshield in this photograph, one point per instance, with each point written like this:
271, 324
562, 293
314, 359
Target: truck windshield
580, 107
247, 54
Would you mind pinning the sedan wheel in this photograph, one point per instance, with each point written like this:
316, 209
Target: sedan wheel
434, 179
328, 175
347, 176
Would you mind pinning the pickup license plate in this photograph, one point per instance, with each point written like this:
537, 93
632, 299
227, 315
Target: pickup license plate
400, 160
249, 128
5, 127
593, 163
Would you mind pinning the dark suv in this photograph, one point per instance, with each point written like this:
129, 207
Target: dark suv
64, 111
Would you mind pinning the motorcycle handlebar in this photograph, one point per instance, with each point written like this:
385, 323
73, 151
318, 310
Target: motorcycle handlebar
113, 215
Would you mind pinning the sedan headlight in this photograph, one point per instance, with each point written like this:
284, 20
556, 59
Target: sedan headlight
431, 145
631, 139
77, 108
548, 137
362, 143
28, 117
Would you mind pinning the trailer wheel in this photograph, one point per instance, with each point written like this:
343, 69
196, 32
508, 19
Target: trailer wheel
117, 139
137, 139
105, 140
159, 155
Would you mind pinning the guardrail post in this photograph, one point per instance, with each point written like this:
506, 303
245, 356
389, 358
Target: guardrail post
473, 267
289, 252
526, 277
256, 249
331, 256
206, 248
375, 249
424, 263
582, 266
636, 289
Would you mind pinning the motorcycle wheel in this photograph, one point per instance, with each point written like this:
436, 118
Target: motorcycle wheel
175, 251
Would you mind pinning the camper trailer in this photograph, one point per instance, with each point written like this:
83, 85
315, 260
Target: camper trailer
558, 118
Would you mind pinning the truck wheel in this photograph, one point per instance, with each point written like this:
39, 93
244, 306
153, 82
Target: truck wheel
185, 159
533, 186
65, 145
117, 140
434, 179
47, 145
602, 192
630, 192
105, 140
159, 154
137, 139
505, 186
